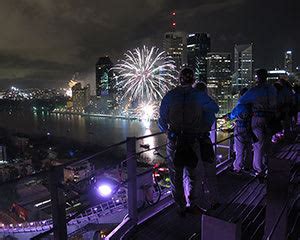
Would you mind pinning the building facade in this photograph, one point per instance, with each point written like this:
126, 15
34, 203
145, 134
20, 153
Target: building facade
198, 45
104, 76
288, 61
80, 97
219, 79
243, 66
174, 45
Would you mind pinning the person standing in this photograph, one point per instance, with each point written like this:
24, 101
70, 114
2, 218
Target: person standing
181, 117
262, 98
209, 190
242, 133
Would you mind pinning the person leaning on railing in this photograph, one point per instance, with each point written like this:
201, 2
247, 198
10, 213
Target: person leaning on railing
181, 117
243, 135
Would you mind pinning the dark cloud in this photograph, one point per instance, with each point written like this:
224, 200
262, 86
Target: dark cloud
44, 42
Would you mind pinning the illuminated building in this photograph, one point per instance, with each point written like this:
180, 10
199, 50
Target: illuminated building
288, 61
243, 66
78, 171
80, 97
219, 79
174, 45
198, 45
104, 77
3, 155
275, 75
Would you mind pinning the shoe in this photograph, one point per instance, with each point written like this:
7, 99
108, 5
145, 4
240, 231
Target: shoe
262, 174
195, 210
235, 171
253, 173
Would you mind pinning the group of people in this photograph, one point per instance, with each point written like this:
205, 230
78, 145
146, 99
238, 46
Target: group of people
187, 114
261, 112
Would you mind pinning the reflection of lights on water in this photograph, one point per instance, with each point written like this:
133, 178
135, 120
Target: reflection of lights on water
146, 112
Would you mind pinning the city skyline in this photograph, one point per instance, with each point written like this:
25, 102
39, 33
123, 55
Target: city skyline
44, 43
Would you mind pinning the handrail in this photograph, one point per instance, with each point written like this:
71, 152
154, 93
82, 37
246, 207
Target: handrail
42, 173
150, 135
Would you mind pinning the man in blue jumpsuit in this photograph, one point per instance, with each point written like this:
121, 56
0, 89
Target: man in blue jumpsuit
181, 117
262, 98
242, 133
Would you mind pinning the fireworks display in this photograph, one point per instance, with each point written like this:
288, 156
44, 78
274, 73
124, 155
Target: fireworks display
145, 74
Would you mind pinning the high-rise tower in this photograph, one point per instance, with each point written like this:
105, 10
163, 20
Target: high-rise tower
104, 77
288, 61
219, 79
243, 66
174, 44
198, 45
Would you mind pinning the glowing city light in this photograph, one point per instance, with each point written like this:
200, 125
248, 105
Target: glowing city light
145, 74
104, 190
71, 84
146, 112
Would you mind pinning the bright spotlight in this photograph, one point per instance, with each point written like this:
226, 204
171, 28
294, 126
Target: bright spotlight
104, 190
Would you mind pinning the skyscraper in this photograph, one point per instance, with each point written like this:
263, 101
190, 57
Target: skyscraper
104, 77
80, 97
174, 45
243, 66
198, 45
288, 61
219, 79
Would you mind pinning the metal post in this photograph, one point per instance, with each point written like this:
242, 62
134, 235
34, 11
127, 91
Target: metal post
132, 183
277, 197
215, 229
230, 143
58, 205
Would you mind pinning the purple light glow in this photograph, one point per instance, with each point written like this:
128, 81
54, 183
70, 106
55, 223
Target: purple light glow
104, 190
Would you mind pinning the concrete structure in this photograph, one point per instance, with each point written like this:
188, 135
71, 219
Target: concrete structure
198, 45
243, 66
219, 79
174, 44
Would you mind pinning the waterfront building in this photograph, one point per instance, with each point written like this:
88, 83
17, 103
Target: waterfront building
288, 61
198, 45
78, 171
243, 66
219, 79
104, 77
80, 97
174, 44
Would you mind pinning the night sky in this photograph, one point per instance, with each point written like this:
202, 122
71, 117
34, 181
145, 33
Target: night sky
44, 42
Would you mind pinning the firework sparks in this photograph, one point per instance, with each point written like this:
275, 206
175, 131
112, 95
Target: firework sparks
145, 74
146, 112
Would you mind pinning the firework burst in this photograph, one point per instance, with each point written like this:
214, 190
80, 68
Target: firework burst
145, 74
